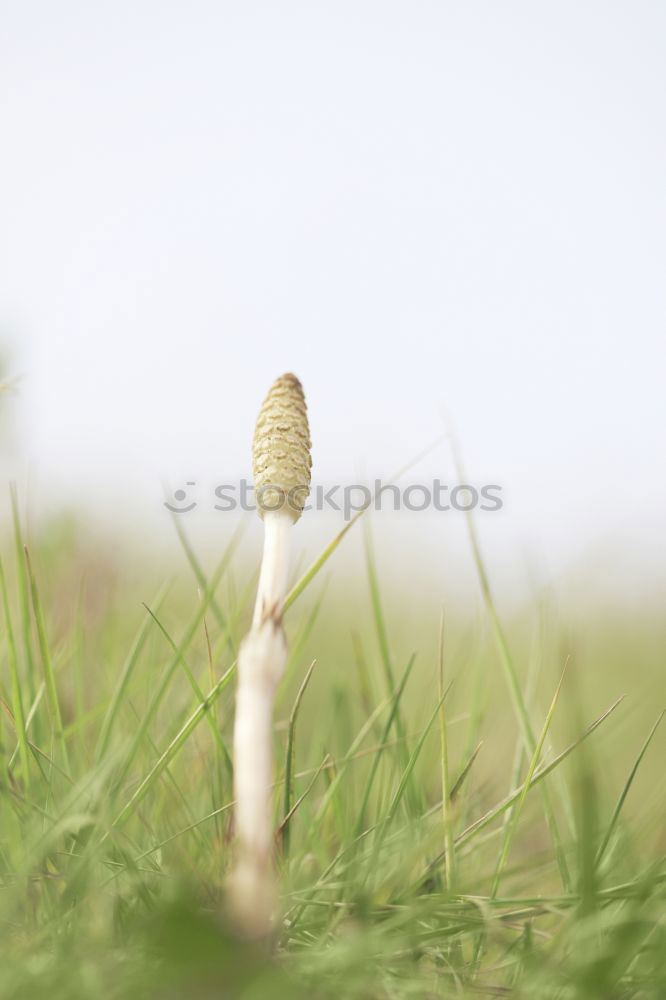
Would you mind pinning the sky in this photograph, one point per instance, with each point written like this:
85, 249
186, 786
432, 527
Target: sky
434, 213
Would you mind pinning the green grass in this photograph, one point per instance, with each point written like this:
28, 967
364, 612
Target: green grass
443, 827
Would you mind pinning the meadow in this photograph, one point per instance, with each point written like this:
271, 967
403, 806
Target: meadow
437, 769
464, 805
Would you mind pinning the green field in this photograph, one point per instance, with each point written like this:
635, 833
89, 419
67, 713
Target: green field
544, 875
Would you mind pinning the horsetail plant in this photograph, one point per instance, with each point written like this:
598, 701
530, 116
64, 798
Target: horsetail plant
281, 466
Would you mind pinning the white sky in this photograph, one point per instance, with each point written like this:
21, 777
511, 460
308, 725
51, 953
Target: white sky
417, 207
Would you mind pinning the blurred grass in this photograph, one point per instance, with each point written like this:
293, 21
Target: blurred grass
116, 788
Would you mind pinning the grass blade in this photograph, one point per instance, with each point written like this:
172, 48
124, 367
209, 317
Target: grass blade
124, 679
174, 746
458, 783
328, 551
515, 813
480, 824
17, 698
199, 574
510, 674
447, 819
413, 758
52, 699
170, 669
625, 791
289, 758
24, 598
212, 723
385, 654
397, 695
538, 776
283, 828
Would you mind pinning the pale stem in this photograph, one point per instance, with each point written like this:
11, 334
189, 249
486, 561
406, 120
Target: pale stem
274, 565
261, 662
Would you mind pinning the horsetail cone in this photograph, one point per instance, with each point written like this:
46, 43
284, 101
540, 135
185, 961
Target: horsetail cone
281, 457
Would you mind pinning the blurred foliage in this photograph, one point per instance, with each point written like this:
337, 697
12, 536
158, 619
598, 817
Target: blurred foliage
116, 826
